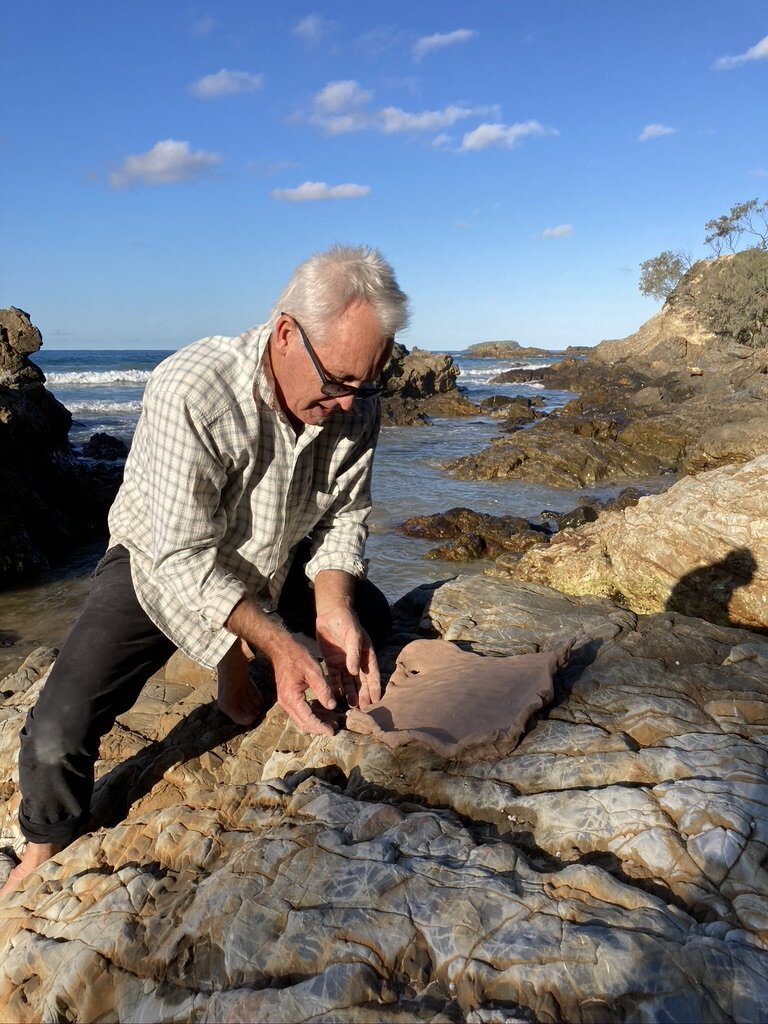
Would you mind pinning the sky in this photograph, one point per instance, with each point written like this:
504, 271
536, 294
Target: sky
165, 165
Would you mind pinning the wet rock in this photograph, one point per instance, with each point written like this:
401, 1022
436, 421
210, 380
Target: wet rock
50, 500
105, 447
564, 459
475, 534
420, 385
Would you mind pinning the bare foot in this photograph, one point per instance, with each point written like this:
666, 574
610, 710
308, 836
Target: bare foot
34, 855
237, 696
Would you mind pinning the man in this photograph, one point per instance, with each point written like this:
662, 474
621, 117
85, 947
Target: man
245, 447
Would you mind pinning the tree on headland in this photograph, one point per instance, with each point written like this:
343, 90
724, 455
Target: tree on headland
750, 218
658, 276
746, 221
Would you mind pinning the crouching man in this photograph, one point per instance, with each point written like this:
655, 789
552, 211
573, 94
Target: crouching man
242, 510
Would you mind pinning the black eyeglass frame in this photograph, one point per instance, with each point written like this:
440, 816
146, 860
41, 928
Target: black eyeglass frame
331, 387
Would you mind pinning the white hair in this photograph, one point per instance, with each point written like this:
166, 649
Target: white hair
325, 285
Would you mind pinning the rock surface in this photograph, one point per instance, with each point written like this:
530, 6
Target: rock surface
609, 868
675, 395
473, 534
700, 548
420, 385
49, 497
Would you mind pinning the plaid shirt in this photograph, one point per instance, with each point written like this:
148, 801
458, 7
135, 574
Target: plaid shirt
218, 490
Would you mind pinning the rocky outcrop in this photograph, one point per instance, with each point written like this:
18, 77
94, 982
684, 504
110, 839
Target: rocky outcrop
504, 350
611, 866
473, 534
700, 548
420, 385
681, 391
49, 498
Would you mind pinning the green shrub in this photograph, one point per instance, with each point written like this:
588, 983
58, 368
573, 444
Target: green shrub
730, 296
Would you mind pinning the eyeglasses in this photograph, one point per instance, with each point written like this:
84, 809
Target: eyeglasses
332, 388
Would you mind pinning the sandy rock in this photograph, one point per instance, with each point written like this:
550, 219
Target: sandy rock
700, 548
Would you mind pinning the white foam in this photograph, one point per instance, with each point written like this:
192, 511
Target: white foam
118, 408
80, 377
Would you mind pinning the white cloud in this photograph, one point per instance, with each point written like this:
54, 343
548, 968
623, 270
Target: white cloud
391, 120
759, 172
167, 163
312, 191
343, 107
655, 131
312, 29
337, 97
559, 231
757, 52
225, 83
503, 136
426, 44
442, 141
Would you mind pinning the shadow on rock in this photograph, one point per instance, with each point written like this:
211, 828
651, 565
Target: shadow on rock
706, 592
203, 729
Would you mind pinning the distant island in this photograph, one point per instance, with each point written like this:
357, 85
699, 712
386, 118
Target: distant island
514, 350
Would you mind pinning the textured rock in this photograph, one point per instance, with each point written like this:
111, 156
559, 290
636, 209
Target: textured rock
561, 459
419, 385
610, 867
49, 498
473, 534
700, 548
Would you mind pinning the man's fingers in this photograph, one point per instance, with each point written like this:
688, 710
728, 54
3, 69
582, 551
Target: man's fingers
353, 657
370, 679
302, 716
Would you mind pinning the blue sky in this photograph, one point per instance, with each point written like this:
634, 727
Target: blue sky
166, 164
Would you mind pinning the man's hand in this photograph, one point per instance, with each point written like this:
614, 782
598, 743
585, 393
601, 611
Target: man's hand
349, 656
296, 671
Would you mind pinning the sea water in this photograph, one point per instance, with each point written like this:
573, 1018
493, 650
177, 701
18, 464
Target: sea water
103, 391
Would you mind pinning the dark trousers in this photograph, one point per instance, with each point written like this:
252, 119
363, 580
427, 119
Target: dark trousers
110, 653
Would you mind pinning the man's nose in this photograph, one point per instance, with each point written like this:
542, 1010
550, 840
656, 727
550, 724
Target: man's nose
346, 402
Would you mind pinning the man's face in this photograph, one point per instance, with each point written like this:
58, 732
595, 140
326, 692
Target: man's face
353, 351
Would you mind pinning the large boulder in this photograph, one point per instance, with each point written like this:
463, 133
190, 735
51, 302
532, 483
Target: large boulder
50, 499
610, 867
700, 548
420, 385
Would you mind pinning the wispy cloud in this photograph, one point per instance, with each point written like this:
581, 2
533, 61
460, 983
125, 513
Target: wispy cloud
313, 29
558, 231
342, 107
314, 191
167, 163
203, 26
759, 172
503, 136
757, 52
655, 131
391, 120
225, 83
426, 44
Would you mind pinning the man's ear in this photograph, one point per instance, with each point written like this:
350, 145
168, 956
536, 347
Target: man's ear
281, 334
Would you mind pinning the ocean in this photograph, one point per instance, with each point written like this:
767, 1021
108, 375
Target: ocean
103, 391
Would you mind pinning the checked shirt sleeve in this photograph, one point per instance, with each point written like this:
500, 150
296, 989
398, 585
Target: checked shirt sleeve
185, 475
338, 540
